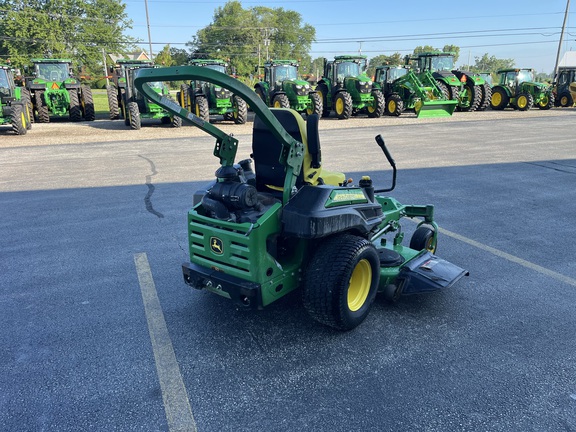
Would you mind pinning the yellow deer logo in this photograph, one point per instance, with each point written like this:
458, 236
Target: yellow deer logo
216, 245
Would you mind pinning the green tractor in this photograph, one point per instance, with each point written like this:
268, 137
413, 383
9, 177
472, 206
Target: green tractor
282, 88
566, 76
518, 89
135, 106
14, 103
261, 231
347, 90
206, 99
468, 88
116, 89
55, 91
403, 90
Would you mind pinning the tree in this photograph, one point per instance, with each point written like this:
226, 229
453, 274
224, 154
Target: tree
447, 48
76, 29
164, 58
395, 59
180, 56
246, 36
491, 64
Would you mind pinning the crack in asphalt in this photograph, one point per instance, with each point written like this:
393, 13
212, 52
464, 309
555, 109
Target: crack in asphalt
151, 188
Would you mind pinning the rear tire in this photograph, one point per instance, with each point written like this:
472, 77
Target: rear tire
41, 108
341, 281
184, 99
113, 102
443, 88
474, 94
27, 100
87, 103
322, 89
176, 121
201, 108
486, 97
18, 119
75, 111
343, 105
134, 116
240, 114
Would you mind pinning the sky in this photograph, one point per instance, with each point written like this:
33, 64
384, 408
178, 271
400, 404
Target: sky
527, 31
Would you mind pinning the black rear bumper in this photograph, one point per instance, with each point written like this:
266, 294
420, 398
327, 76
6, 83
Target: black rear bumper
243, 293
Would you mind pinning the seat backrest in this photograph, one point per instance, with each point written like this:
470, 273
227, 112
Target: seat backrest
266, 149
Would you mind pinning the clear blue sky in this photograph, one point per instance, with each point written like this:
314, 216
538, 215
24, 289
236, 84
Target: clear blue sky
525, 31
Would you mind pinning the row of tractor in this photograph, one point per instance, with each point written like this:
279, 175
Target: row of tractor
428, 84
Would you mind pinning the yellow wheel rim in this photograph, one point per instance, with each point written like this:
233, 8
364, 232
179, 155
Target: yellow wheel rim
522, 102
359, 285
339, 106
564, 101
496, 99
277, 104
392, 106
418, 106
197, 109
544, 101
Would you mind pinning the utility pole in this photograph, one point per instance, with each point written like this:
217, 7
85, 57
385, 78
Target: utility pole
561, 40
148, 24
105, 68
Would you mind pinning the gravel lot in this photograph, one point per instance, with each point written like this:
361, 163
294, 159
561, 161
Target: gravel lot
64, 132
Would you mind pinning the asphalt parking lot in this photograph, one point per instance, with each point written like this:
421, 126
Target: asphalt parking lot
99, 331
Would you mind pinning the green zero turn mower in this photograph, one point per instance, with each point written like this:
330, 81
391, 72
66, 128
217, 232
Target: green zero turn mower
279, 221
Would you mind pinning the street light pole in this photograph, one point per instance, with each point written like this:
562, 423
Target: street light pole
561, 40
148, 24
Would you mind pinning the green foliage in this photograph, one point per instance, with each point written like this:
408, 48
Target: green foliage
447, 48
379, 60
246, 35
180, 56
164, 58
491, 64
76, 29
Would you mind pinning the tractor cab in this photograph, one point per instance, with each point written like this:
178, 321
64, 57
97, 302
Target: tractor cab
566, 77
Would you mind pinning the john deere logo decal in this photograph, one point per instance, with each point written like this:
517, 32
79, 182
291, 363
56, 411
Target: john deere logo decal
216, 245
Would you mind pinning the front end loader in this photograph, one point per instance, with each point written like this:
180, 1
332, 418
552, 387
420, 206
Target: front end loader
56, 92
282, 88
403, 90
469, 89
347, 90
207, 99
281, 222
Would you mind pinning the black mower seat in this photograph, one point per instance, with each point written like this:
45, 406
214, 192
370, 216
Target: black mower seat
266, 150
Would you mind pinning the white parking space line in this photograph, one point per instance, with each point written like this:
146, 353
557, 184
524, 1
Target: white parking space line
174, 394
558, 276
